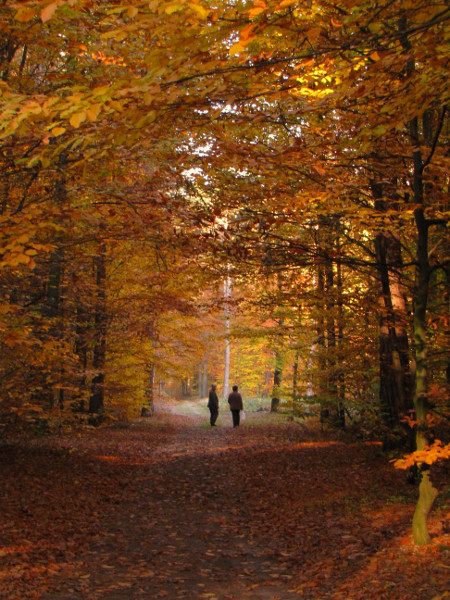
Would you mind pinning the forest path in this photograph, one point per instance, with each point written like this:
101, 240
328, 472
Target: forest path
172, 508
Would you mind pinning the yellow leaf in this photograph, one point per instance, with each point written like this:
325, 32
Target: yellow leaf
375, 56
47, 12
101, 91
286, 3
77, 119
132, 12
93, 111
199, 10
58, 131
236, 48
24, 14
172, 8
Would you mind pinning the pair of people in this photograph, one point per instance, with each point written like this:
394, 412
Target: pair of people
234, 400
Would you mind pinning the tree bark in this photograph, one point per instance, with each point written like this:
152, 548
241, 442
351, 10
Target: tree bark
295, 398
148, 409
277, 375
81, 349
394, 368
51, 308
96, 402
427, 493
226, 374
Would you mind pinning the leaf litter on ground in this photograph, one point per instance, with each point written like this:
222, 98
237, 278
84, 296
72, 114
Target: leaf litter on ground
168, 508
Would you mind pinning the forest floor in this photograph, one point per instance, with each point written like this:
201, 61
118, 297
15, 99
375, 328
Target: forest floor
172, 508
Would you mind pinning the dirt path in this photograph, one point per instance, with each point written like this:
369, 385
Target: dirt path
179, 510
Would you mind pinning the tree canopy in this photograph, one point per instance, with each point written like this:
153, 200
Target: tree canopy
152, 151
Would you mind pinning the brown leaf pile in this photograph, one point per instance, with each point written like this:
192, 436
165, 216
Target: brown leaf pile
174, 509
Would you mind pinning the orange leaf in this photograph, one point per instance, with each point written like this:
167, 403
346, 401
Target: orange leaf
246, 33
24, 14
258, 7
77, 119
47, 12
236, 48
58, 131
93, 111
313, 34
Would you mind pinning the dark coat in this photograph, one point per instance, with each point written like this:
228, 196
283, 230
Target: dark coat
213, 400
235, 401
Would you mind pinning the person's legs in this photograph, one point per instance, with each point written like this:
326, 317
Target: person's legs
213, 416
235, 414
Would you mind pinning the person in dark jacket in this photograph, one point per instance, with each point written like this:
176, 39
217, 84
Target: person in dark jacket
236, 405
213, 405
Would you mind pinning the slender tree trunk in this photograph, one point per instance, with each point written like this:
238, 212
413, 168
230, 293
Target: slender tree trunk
295, 397
81, 349
277, 375
148, 409
51, 308
427, 492
96, 402
321, 388
340, 340
338, 415
447, 370
226, 374
204, 378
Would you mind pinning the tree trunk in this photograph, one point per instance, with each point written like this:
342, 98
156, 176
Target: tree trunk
427, 496
320, 327
148, 409
394, 369
295, 398
335, 405
340, 340
277, 374
81, 349
447, 369
427, 493
96, 402
51, 307
204, 382
226, 374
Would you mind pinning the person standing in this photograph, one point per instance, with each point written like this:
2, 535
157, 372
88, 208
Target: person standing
213, 405
236, 405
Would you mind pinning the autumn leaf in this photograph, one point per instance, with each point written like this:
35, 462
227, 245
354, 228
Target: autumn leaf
286, 3
48, 11
93, 111
25, 14
173, 8
429, 455
199, 9
77, 118
313, 34
259, 6
58, 131
237, 48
